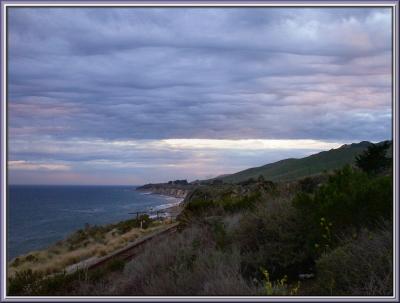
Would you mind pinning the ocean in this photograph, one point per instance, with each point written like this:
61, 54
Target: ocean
39, 215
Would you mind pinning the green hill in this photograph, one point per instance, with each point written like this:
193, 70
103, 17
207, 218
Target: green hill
290, 169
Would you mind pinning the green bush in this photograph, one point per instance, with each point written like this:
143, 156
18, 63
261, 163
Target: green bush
222, 201
373, 160
360, 266
220, 235
24, 283
198, 205
55, 284
349, 200
143, 221
35, 283
234, 204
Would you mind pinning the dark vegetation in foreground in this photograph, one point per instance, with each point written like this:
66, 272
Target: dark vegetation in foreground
323, 235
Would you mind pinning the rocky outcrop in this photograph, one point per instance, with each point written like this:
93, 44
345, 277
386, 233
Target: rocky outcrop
167, 189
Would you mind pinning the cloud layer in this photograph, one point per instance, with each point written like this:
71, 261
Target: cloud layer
149, 74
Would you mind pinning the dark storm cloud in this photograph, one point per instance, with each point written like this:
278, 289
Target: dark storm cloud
151, 74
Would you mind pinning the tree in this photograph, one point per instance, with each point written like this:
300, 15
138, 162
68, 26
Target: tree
374, 161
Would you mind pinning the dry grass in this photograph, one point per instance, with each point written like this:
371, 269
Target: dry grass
62, 254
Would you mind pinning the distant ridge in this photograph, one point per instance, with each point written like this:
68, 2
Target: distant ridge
290, 169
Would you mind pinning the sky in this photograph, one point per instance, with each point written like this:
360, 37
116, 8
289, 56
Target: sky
138, 95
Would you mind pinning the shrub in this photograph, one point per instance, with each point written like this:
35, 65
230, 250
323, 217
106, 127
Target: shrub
220, 235
309, 184
143, 221
272, 237
55, 284
240, 203
247, 182
211, 272
24, 283
220, 273
116, 265
279, 287
361, 266
198, 205
34, 283
374, 160
16, 262
31, 258
96, 275
186, 263
223, 202
350, 199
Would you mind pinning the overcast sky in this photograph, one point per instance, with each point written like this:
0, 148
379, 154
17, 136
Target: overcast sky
136, 95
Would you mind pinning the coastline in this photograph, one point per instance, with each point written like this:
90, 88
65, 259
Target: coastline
167, 208
83, 245
177, 190
172, 189
55, 212
94, 241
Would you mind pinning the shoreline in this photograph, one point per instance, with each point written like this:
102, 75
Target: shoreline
173, 207
84, 245
166, 189
169, 210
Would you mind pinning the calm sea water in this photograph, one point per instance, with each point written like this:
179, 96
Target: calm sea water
41, 215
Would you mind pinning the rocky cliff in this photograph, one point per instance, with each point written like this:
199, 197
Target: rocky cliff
167, 189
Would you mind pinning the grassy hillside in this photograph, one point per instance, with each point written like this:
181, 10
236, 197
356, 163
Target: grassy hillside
290, 169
